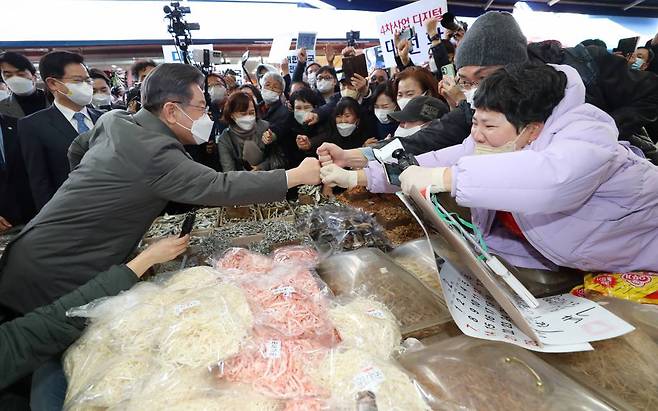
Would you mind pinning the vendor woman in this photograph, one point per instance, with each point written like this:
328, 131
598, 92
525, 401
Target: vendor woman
547, 181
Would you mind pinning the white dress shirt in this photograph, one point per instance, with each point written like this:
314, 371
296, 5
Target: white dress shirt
68, 115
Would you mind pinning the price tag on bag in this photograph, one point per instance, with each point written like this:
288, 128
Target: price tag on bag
180, 308
370, 378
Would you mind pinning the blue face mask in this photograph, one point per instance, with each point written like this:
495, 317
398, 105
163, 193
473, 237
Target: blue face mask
638, 63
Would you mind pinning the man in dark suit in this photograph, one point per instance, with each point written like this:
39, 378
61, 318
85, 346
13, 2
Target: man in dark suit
21, 77
46, 135
16, 205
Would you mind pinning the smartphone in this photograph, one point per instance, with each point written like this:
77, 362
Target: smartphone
188, 223
628, 45
355, 65
449, 71
409, 34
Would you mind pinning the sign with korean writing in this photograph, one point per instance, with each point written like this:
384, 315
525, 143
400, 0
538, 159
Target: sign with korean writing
564, 323
292, 59
412, 15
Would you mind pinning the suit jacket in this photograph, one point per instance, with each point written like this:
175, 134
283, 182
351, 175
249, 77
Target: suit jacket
16, 204
129, 167
45, 139
9, 107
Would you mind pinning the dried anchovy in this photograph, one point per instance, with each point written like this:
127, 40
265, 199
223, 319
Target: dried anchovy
254, 215
275, 233
279, 209
168, 225
340, 228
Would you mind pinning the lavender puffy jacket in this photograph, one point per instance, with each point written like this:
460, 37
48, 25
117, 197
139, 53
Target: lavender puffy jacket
581, 198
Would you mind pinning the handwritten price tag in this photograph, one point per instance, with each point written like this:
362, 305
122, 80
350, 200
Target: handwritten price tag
369, 379
273, 349
376, 313
287, 291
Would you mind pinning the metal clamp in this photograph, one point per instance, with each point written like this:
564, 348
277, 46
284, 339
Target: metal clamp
538, 381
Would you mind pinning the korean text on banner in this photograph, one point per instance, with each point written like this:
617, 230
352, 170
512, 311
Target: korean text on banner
412, 15
292, 59
171, 54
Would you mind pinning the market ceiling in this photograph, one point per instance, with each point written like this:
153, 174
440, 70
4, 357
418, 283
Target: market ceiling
474, 8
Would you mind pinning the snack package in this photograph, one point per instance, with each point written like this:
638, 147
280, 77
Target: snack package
338, 228
639, 286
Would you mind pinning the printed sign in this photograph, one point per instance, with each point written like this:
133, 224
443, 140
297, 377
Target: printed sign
306, 40
292, 59
412, 15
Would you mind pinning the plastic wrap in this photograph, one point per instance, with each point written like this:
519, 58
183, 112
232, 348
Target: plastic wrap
623, 367
367, 325
349, 373
113, 382
204, 326
336, 228
244, 260
296, 254
276, 367
192, 278
465, 373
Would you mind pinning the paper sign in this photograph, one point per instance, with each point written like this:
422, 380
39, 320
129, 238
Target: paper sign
273, 349
370, 378
564, 323
374, 58
292, 59
280, 48
306, 40
412, 15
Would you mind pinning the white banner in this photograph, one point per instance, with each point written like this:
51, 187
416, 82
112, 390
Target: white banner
411, 15
292, 59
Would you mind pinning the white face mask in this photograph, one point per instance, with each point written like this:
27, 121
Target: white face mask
345, 129
382, 115
269, 96
638, 64
217, 93
201, 128
4, 94
20, 86
79, 93
470, 96
402, 102
509, 147
300, 115
325, 86
246, 123
311, 79
406, 132
101, 99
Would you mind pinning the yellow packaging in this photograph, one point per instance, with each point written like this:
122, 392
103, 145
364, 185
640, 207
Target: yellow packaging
639, 286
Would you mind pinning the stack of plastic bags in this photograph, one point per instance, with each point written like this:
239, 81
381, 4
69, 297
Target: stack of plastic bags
253, 332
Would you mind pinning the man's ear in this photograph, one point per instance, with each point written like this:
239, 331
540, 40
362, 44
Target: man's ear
51, 84
168, 113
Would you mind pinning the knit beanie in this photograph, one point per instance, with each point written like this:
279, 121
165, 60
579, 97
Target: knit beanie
494, 39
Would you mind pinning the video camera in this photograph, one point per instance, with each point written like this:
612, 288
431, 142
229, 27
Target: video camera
179, 28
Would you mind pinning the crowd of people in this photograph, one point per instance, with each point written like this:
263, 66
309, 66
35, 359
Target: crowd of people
552, 148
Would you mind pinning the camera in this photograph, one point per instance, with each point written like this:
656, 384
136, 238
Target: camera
352, 38
179, 28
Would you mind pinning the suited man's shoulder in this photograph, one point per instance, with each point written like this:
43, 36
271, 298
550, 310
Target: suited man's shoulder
37, 116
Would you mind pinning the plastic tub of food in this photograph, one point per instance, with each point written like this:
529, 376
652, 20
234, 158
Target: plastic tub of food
371, 273
465, 373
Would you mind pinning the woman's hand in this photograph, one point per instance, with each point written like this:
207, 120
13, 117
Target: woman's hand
285, 67
403, 47
431, 25
329, 153
360, 83
301, 55
157, 253
268, 137
311, 118
330, 54
371, 141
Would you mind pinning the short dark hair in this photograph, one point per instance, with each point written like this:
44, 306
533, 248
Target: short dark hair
169, 82
327, 69
95, 73
17, 60
652, 55
384, 88
254, 89
524, 93
236, 102
53, 63
347, 104
313, 63
594, 42
141, 65
307, 95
